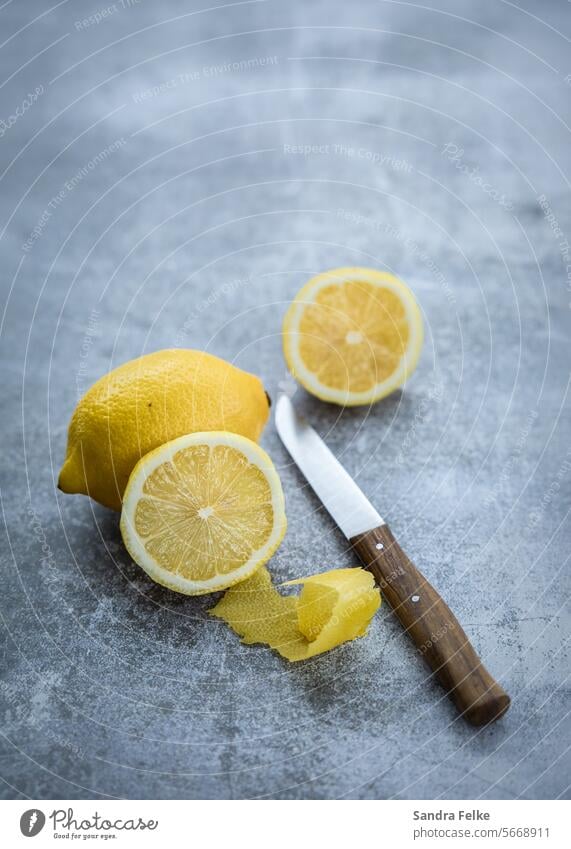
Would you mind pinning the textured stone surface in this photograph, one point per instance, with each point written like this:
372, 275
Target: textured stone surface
195, 226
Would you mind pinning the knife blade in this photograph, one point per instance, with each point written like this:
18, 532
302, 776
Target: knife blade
337, 491
425, 616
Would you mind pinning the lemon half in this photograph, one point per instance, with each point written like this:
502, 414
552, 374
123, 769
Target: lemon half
203, 512
353, 335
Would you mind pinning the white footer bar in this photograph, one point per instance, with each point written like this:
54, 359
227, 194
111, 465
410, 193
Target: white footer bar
253, 824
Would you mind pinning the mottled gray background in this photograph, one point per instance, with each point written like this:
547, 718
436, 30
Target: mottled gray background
192, 223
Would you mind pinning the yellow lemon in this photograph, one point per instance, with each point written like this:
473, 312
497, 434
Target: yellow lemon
147, 402
203, 512
352, 335
332, 608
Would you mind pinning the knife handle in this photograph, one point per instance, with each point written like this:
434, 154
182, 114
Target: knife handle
436, 632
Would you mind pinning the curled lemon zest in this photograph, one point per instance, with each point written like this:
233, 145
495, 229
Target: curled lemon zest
332, 608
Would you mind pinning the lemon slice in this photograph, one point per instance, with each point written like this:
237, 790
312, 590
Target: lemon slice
203, 512
352, 335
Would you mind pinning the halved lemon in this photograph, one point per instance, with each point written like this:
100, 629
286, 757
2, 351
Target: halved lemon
353, 335
203, 512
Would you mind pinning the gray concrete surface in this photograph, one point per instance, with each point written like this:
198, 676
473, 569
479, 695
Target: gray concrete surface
156, 164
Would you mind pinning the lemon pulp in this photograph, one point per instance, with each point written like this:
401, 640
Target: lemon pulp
352, 335
203, 512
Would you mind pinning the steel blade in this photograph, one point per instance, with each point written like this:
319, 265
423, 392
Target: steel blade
337, 490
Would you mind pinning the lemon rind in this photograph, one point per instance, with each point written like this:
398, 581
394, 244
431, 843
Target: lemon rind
306, 296
134, 490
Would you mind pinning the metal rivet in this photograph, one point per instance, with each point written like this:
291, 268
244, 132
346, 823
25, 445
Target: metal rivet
379, 546
415, 598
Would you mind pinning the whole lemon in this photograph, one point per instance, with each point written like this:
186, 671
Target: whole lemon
147, 402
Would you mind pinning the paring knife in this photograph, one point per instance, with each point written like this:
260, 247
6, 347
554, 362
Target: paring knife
436, 632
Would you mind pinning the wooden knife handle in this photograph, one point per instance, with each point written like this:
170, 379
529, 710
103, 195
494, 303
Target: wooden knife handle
436, 632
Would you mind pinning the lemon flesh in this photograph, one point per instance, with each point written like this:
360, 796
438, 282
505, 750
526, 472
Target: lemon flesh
203, 512
353, 335
332, 608
147, 402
